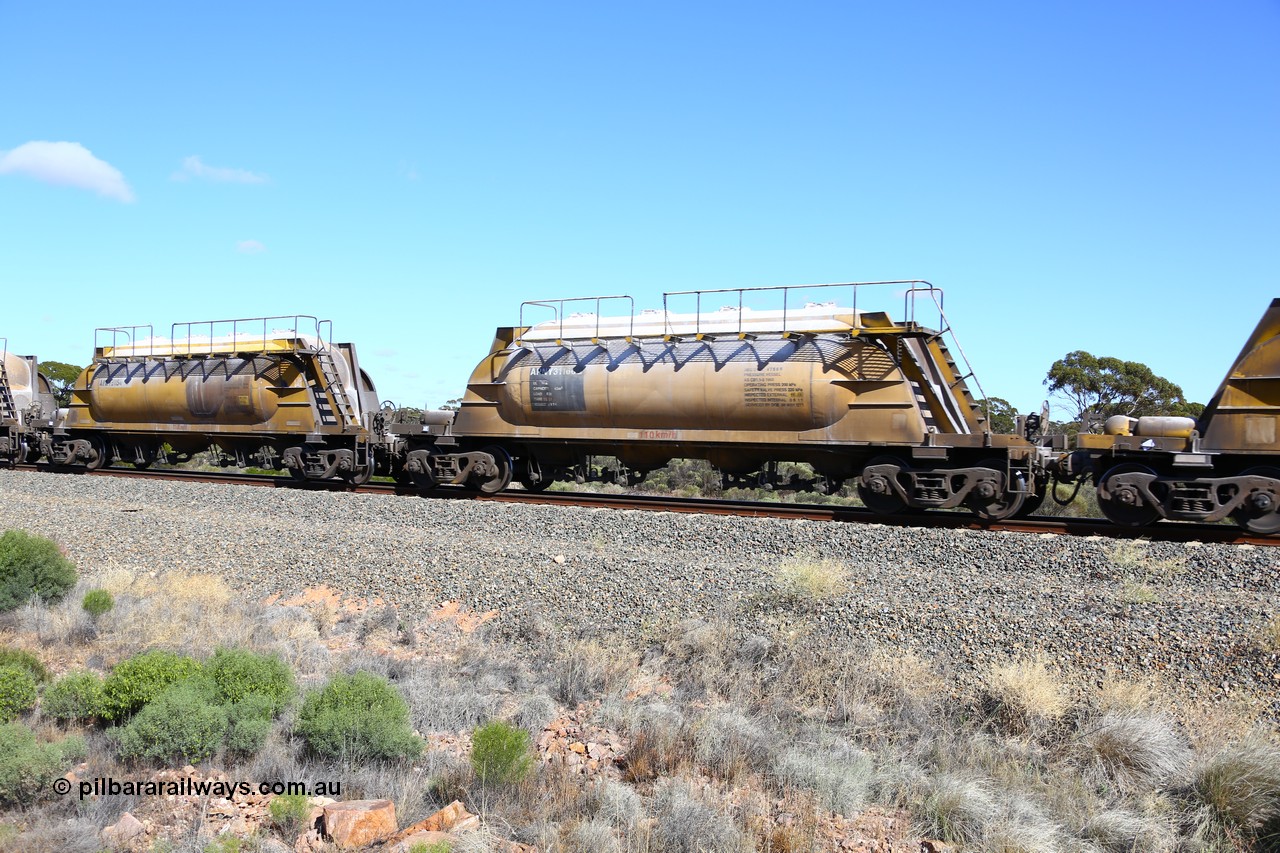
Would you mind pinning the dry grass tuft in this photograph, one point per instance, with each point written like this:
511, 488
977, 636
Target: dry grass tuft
1119, 831
957, 810
592, 836
1136, 749
688, 823
1241, 784
729, 743
1132, 558
178, 610
1137, 592
1140, 572
1215, 726
838, 776
1117, 694
587, 669
616, 804
1021, 834
1026, 695
811, 580
50, 834
656, 730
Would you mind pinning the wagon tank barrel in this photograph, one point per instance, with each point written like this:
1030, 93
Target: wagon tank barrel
862, 382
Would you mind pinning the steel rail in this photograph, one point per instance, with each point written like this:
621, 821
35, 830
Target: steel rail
1163, 531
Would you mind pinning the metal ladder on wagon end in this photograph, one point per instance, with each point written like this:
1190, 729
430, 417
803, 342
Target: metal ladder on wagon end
944, 356
8, 408
336, 400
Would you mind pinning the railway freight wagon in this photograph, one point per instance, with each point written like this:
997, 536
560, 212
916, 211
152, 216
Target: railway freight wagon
27, 404
1225, 464
271, 392
853, 393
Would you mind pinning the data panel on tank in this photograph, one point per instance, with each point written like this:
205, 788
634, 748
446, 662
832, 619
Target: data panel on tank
772, 389
557, 392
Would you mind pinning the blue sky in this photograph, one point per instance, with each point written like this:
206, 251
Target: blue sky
1086, 175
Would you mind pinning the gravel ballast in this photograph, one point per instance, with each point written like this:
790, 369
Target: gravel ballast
963, 598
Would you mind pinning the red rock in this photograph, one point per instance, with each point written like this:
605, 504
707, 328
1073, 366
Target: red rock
358, 823
452, 818
426, 838
123, 831
317, 809
308, 842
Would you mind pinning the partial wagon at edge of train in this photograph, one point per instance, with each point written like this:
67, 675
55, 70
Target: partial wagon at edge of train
826, 377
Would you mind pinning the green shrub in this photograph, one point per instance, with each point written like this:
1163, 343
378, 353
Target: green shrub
358, 717
75, 696
17, 691
26, 660
500, 753
434, 847
27, 768
229, 844
97, 602
290, 813
73, 749
182, 723
249, 722
136, 681
239, 674
32, 566
248, 736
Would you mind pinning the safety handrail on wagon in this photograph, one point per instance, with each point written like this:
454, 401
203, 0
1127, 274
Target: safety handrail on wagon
290, 327
557, 308
915, 285
914, 288
130, 333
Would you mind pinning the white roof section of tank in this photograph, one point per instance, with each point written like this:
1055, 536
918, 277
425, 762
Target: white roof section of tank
18, 370
652, 323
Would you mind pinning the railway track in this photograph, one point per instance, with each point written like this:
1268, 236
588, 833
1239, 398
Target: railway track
1164, 531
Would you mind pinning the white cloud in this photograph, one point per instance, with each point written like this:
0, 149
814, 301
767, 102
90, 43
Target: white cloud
250, 247
194, 167
66, 164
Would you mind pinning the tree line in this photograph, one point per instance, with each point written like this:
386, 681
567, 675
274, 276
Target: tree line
1094, 388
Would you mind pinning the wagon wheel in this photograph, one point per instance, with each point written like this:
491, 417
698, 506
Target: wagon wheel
1261, 511
361, 475
875, 487
423, 481
1125, 505
1031, 503
498, 477
991, 499
101, 457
